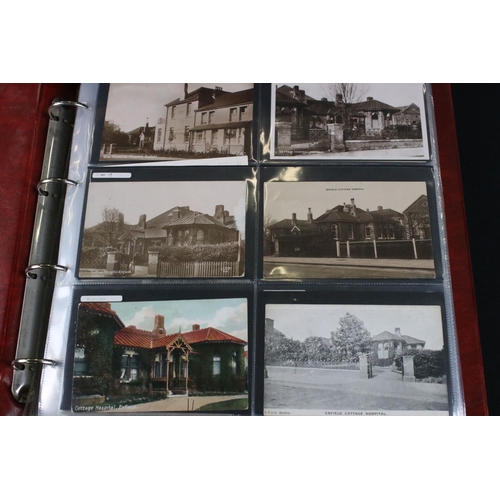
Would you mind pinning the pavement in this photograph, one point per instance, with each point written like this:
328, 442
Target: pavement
412, 264
379, 154
175, 404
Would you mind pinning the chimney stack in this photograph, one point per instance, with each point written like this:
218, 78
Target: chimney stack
142, 221
338, 99
196, 327
397, 331
219, 213
186, 90
309, 216
380, 208
269, 324
294, 219
369, 98
159, 327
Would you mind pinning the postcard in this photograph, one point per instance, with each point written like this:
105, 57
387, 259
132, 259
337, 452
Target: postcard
161, 356
164, 229
342, 121
177, 121
346, 360
347, 230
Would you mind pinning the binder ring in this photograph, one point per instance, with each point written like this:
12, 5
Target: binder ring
31, 361
53, 179
57, 267
56, 104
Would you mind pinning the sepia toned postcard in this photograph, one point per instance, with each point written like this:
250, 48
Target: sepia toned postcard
161, 356
342, 121
163, 229
347, 230
350, 360
177, 121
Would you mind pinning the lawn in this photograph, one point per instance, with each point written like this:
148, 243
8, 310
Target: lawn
231, 404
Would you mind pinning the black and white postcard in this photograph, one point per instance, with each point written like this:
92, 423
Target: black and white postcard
354, 360
363, 121
177, 121
347, 230
164, 229
161, 356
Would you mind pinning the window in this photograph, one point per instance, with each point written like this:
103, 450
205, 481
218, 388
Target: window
186, 134
171, 134
243, 110
368, 232
81, 362
130, 366
204, 118
200, 237
214, 137
159, 135
335, 232
234, 362
391, 232
199, 137
216, 364
350, 231
233, 114
188, 109
172, 114
211, 116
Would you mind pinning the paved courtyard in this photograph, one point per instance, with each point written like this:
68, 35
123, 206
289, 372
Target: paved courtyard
327, 389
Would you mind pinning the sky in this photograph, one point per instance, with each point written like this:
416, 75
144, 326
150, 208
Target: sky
305, 320
156, 197
281, 199
395, 94
130, 105
227, 315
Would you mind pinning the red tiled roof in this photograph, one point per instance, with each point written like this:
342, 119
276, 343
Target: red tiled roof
101, 308
210, 335
134, 337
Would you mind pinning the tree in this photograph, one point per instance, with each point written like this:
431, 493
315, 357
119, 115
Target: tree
111, 228
317, 349
350, 93
112, 134
350, 338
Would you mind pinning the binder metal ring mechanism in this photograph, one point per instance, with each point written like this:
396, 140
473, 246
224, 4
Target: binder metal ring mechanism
57, 104
19, 363
44, 252
53, 180
247, 249
33, 267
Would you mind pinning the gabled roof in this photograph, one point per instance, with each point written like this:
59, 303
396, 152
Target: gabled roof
230, 99
373, 105
337, 214
139, 130
419, 205
412, 340
134, 337
411, 108
385, 335
101, 309
211, 335
384, 213
160, 220
194, 218
285, 94
289, 224
201, 93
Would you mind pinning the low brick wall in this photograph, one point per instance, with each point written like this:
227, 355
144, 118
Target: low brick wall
367, 145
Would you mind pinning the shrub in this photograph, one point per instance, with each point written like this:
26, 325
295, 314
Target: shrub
223, 252
426, 363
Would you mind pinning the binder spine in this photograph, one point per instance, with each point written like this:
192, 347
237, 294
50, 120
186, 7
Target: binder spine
42, 270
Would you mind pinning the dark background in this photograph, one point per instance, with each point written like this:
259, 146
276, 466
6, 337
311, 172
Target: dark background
477, 116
